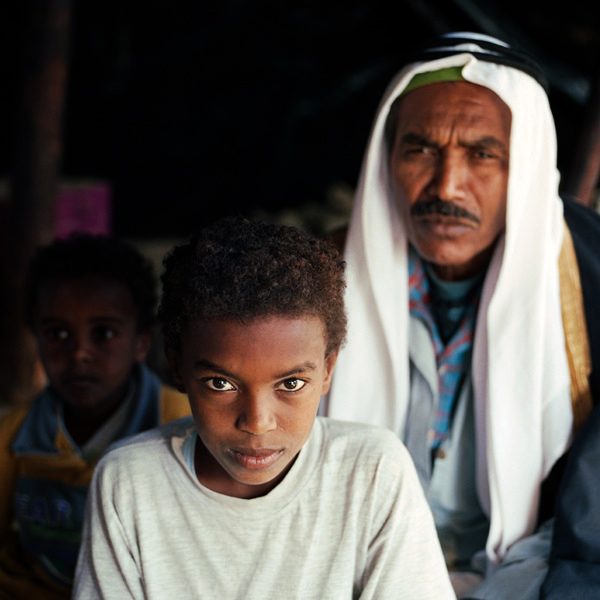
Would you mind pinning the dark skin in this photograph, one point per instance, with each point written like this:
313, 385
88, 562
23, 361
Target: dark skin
89, 341
449, 168
254, 389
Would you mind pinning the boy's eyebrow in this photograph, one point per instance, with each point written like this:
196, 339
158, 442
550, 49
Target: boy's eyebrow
206, 364
100, 319
307, 366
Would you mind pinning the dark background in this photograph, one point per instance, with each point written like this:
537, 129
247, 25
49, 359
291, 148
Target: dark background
194, 110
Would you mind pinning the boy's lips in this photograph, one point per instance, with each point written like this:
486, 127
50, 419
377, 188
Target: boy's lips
256, 458
79, 380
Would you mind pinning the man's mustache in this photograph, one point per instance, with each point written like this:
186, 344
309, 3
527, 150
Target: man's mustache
441, 207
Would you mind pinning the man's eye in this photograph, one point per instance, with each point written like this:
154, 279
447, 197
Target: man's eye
292, 385
219, 384
419, 152
482, 154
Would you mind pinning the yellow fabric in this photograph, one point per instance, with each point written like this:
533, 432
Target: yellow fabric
9, 426
576, 333
67, 468
173, 404
20, 576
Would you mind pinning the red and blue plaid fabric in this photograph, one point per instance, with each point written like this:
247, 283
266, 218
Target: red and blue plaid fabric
453, 358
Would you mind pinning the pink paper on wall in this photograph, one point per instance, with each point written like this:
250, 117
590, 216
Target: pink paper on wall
83, 207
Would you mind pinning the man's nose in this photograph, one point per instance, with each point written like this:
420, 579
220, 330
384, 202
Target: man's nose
450, 177
257, 414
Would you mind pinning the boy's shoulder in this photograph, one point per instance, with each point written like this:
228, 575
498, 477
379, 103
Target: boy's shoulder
360, 441
152, 438
360, 431
32, 426
365, 463
11, 421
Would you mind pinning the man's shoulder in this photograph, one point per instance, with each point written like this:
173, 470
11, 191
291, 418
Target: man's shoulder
584, 226
583, 221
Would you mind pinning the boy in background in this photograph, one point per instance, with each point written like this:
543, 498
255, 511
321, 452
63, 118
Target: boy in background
253, 498
90, 303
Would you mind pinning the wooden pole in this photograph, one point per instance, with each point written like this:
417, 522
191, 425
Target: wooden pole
46, 25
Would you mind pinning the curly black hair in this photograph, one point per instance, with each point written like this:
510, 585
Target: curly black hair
241, 270
81, 255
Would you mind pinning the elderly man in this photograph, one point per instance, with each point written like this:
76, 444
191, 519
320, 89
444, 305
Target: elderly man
467, 326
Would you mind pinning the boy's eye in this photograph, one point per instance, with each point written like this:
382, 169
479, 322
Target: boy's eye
219, 384
56, 334
104, 333
293, 384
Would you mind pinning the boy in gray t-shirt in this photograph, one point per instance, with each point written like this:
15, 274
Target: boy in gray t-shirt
254, 497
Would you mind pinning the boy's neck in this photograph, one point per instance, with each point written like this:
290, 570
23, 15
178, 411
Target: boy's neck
83, 422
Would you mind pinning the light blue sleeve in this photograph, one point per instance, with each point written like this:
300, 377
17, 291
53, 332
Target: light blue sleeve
521, 573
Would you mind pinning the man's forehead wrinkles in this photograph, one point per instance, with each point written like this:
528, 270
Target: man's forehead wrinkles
454, 115
443, 121
487, 141
468, 138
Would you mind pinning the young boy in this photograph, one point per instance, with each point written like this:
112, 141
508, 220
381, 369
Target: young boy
253, 498
90, 302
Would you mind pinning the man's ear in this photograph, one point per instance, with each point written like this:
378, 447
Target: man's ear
174, 362
329, 365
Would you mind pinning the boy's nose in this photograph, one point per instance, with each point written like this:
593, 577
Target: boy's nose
257, 416
82, 349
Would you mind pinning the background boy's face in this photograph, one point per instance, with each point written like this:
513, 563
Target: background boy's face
89, 341
254, 390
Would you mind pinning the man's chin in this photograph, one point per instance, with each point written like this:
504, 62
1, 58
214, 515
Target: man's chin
452, 261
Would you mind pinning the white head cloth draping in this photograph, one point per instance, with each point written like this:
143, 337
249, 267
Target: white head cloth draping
519, 367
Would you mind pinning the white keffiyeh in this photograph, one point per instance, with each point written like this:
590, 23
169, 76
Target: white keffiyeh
519, 368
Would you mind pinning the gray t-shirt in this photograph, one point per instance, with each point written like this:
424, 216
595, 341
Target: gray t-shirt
349, 520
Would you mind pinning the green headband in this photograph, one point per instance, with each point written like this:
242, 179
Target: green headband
428, 77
